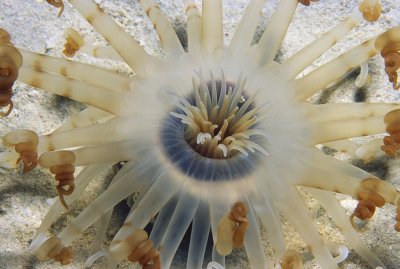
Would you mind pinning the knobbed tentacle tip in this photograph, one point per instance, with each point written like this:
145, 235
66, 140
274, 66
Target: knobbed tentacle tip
371, 10
231, 229
137, 248
61, 164
51, 248
10, 62
365, 210
73, 42
391, 143
389, 44
374, 193
25, 143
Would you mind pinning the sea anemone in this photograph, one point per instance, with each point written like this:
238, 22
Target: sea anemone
220, 138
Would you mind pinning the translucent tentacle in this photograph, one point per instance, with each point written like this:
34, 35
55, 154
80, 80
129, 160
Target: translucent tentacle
90, 74
347, 111
298, 62
162, 221
180, 221
193, 26
96, 96
108, 153
295, 211
130, 50
274, 33
169, 39
332, 205
162, 190
327, 131
333, 70
244, 33
211, 26
94, 134
81, 182
86, 117
265, 209
105, 202
252, 241
199, 237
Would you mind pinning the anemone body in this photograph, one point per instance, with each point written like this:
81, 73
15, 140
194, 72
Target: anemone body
206, 126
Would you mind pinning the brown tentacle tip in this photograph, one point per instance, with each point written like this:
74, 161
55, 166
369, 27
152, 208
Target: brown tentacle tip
391, 143
53, 249
391, 54
137, 248
232, 229
73, 42
371, 10
61, 165
366, 207
25, 143
10, 62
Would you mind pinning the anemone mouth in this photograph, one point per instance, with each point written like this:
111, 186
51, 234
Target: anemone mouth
214, 131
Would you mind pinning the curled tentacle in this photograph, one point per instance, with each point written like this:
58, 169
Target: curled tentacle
391, 54
238, 214
25, 143
373, 193
391, 143
137, 248
366, 207
231, 229
10, 62
61, 164
58, 4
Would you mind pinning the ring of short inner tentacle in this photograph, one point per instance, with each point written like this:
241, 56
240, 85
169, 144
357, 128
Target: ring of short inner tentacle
10, 62
231, 229
219, 120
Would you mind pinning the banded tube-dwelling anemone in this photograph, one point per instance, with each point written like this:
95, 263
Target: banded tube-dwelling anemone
219, 138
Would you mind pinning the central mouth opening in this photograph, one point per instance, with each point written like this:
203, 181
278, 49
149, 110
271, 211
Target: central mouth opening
219, 118
214, 134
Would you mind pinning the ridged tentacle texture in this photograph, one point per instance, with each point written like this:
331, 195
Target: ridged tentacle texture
216, 137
